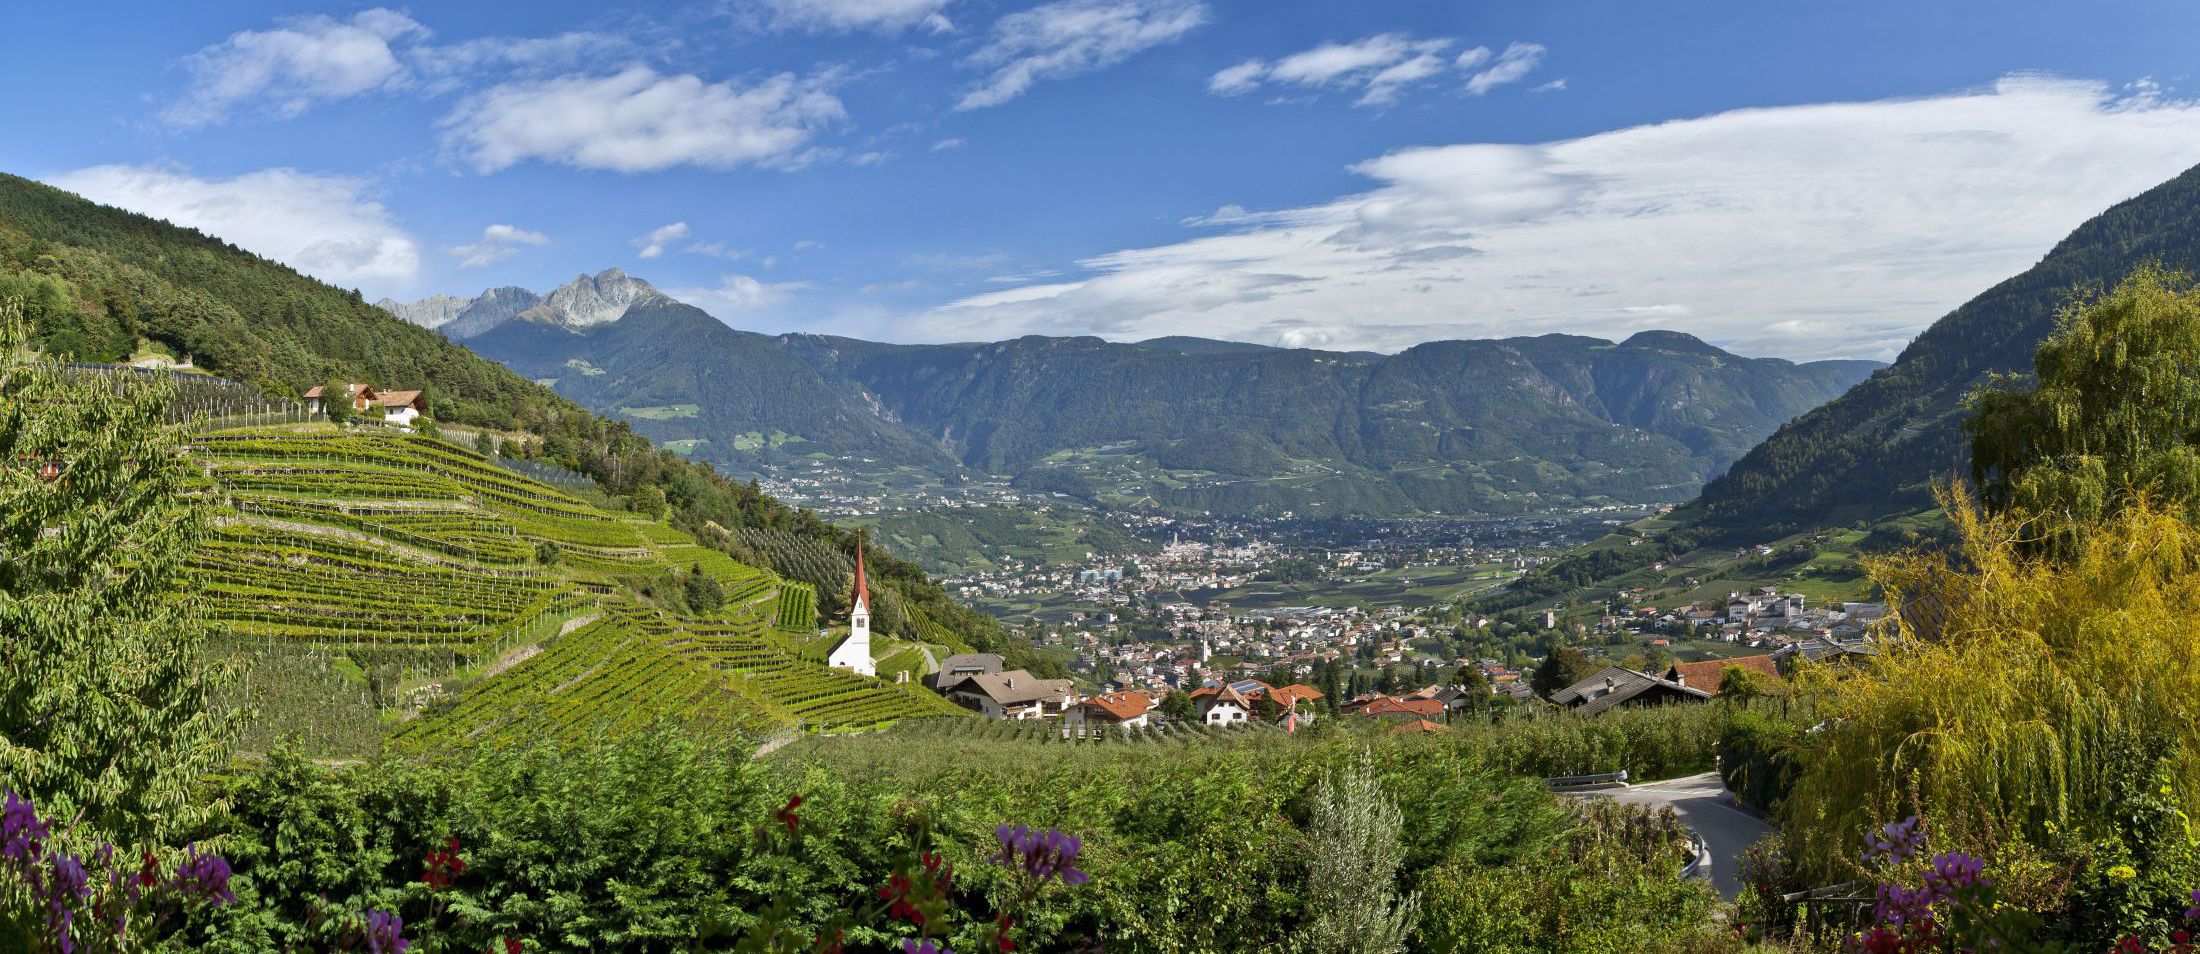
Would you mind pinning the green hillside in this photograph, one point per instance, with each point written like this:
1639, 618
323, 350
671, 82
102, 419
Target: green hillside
100, 283
367, 577
1873, 451
1856, 473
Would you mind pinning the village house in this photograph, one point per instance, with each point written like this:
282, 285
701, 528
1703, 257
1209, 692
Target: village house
398, 408
363, 396
1015, 694
962, 666
402, 408
1710, 674
1616, 686
1129, 709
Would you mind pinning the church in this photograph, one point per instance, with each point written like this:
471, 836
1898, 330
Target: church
854, 653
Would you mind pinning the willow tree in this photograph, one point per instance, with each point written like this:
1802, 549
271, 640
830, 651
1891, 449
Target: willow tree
107, 706
2038, 703
2114, 414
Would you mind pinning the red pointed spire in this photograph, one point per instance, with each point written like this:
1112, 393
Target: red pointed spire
863, 590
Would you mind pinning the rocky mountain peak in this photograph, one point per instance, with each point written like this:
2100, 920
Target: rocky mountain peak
593, 300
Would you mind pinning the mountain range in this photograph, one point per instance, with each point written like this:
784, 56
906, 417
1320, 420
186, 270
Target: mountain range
1482, 427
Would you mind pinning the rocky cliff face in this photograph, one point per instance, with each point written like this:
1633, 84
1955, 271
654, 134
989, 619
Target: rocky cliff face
593, 300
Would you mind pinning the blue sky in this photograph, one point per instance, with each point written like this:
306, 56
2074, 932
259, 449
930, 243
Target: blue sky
1801, 180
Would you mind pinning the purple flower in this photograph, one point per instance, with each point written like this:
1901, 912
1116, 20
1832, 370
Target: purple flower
1040, 854
205, 877
925, 946
1956, 871
385, 933
2193, 913
1898, 841
21, 833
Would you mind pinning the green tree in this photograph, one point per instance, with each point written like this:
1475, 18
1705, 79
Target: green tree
1352, 867
703, 593
108, 705
1178, 706
1563, 667
336, 402
1477, 684
2114, 416
1738, 685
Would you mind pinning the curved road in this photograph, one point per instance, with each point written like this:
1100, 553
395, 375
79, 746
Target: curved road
1702, 803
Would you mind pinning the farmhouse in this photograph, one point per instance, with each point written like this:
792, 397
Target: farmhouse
362, 397
1016, 694
402, 408
1616, 686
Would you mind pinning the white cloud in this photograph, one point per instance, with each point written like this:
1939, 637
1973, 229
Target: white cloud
653, 244
638, 120
1518, 60
1070, 38
885, 16
288, 68
946, 144
1235, 80
329, 227
737, 293
498, 242
1554, 86
1380, 67
1802, 231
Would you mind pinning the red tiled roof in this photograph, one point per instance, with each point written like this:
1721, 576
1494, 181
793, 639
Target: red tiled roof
1391, 705
1707, 675
1419, 725
1129, 704
1288, 695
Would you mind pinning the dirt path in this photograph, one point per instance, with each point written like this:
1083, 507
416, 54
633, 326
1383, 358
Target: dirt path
519, 654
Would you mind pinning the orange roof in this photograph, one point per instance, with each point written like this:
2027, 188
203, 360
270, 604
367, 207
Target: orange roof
1392, 705
1292, 694
1419, 725
397, 398
1707, 675
1129, 704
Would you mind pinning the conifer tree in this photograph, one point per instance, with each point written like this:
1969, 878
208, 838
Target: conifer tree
108, 708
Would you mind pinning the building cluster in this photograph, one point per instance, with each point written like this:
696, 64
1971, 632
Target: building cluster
1763, 618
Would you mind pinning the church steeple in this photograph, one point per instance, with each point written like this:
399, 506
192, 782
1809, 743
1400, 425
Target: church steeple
862, 602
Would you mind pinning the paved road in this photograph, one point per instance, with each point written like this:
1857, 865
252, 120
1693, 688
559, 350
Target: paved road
1701, 802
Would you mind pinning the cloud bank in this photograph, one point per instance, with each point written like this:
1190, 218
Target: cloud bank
329, 227
1801, 231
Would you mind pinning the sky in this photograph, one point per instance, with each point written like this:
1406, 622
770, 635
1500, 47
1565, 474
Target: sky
1789, 180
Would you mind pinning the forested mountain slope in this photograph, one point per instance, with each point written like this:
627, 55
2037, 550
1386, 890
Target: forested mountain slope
95, 280
1874, 450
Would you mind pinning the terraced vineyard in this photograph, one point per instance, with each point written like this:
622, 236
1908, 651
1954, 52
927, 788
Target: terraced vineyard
386, 571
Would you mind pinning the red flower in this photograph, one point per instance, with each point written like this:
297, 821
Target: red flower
444, 866
787, 816
511, 946
1001, 939
829, 945
898, 891
150, 873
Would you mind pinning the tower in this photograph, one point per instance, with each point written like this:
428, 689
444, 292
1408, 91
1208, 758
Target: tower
854, 653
